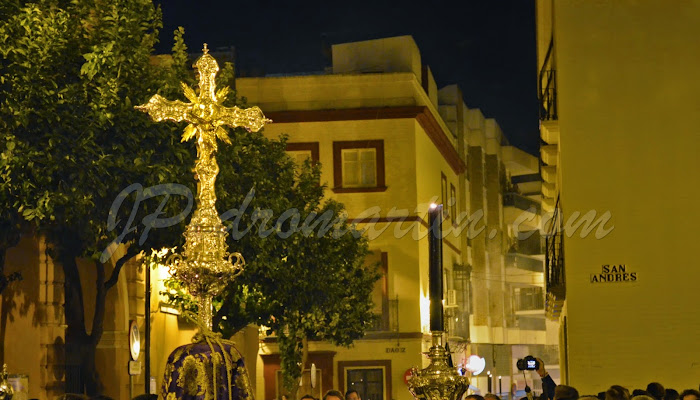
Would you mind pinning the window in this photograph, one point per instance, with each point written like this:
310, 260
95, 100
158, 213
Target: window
300, 152
371, 379
299, 156
369, 382
528, 298
380, 296
453, 202
443, 194
358, 166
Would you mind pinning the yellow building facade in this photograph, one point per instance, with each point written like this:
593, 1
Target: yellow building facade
422, 145
619, 114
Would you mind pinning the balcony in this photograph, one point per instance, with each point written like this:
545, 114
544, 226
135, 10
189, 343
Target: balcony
549, 131
531, 245
518, 162
548, 86
549, 190
549, 154
549, 173
528, 301
555, 276
387, 320
522, 209
548, 204
516, 263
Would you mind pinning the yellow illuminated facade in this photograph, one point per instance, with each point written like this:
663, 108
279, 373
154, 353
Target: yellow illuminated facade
390, 143
619, 118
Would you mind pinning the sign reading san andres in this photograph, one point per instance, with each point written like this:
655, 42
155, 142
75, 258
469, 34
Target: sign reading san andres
614, 273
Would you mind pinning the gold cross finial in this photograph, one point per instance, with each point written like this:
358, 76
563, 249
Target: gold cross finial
205, 264
207, 116
205, 112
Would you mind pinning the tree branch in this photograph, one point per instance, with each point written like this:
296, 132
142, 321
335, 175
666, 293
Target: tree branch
114, 277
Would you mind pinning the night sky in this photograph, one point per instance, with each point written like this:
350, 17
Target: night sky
487, 47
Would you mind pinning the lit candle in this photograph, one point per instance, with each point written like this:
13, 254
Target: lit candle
435, 267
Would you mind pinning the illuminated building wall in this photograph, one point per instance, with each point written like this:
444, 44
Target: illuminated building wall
619, 90
379, 98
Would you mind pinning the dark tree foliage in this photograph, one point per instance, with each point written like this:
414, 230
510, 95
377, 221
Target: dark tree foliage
71, 142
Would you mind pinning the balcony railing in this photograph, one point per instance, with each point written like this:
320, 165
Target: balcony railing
528, 299
521, 202
548, 86
531, 245
554, 263
555, 276
523, 262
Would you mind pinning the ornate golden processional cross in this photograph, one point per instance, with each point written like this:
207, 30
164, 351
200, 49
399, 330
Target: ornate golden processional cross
205, 265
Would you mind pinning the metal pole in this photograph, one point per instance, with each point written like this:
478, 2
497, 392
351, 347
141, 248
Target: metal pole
147, 315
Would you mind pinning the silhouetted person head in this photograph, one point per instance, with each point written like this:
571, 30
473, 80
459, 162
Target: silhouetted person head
333, 395
491, 396
352, 395
671, 394
617, 392
146, 397
639, 392
656, 390
690, 394
564, 392
307, 397
474, 397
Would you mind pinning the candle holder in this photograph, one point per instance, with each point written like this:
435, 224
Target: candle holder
438, 381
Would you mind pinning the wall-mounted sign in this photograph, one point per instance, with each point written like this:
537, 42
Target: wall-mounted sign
614, 273
407, 375
395, 349
134, 340
134, 368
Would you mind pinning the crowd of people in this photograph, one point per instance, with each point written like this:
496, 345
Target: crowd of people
552, 391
